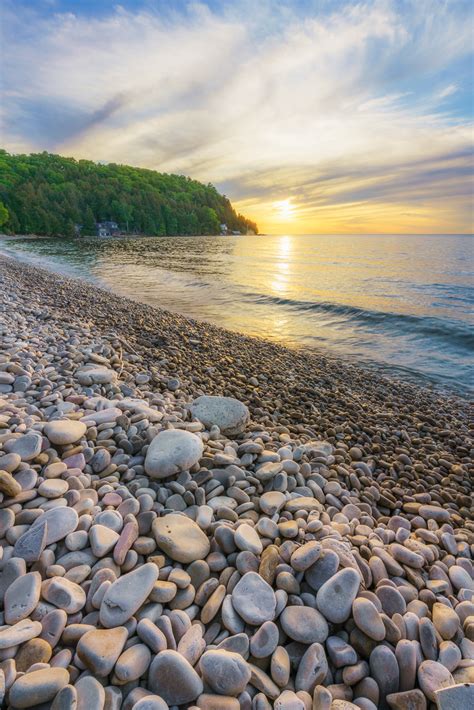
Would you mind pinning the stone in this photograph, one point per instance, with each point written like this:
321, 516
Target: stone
127, 594
42, 685
334, 599
432, 676
230, 415
64, 594
19, 633
172, 451
456, 697
247, 538
225, 672
90, 694
288, 700
445, 620
8, 485
102, 539
180, 538
407, 700
312, 669
133, 663
368, 619
62, 432
21, 597
385, 671
95, 375
34, 651
174, 679
28, 446
152, 702
253, 599
271, 502
31, 544
265, 640
322, 570
304, 624
99, 649
60, 522
305, 556
66, 699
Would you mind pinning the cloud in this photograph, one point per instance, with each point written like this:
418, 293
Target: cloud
338, 109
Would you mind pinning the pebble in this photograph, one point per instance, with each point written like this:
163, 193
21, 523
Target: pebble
334, 599
433, 676
27, 446
64, 431
304, 624
174, 679
99, 649
253, 599
172, 451
180, 538
127, 594
230, 415
42, 685
225, 672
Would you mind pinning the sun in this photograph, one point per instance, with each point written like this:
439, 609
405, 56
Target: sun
284, 209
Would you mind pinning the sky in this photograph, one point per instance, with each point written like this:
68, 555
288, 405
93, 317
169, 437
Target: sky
312, 116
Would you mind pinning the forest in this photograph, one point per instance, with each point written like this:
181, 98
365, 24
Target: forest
51, 195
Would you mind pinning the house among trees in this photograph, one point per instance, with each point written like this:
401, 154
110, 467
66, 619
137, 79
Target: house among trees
224, 229
107, 229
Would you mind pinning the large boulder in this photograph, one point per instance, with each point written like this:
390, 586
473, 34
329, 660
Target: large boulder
230, 415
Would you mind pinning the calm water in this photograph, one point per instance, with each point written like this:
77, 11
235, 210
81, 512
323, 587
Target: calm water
403, 303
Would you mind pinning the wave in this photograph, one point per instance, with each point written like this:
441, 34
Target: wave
455, 332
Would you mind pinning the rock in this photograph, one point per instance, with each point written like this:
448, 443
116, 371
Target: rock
99, 649
102, 540
64, 594
133, 663
322, 570
230, 415
174, 679
385, 671
172, 451
28, 446
408, 700
456, 697
334, 599
22, 597
253, 599
34, 651
66, 699
312, 669
64, 431
127, 594
432, 676
31, 544
368, 619
304, 624
19, 633
271, 502
152, 702
8, 485
180, 538
41, 685
305, 556
90, 694
95, 375
60, 522
445, 620
225, 672
288, 701
246, 538
265, 640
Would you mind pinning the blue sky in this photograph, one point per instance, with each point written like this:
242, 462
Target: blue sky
315, 115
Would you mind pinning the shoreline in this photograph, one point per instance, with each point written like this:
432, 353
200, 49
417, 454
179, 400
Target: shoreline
306, 543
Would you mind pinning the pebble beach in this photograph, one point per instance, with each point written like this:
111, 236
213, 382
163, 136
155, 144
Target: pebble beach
195, 519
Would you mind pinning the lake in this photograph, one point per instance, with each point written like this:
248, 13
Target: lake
402, 303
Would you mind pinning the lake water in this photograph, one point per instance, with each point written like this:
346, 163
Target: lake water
402, 303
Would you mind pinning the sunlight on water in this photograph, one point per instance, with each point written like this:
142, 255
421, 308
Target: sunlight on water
403, 302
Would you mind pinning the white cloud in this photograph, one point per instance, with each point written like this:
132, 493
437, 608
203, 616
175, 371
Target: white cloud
235, 100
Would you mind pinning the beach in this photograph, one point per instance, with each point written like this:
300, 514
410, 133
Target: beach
304, 544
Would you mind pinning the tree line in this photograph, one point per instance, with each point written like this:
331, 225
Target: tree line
48, 194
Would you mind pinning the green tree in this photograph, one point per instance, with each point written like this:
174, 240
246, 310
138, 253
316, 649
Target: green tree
3, 214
